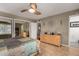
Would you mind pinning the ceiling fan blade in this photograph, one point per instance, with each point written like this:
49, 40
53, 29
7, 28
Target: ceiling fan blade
33, 6
37, 13
24, 10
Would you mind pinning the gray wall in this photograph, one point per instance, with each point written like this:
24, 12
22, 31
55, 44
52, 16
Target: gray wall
58, 24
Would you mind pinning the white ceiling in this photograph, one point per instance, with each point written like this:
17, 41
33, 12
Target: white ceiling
47, 9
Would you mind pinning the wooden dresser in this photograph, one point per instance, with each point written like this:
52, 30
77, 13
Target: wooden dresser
52, 39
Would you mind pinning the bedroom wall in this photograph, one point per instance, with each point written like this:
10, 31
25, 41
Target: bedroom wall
58, 24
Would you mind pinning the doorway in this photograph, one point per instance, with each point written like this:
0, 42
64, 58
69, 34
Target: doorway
38, 31
74, 31
17, 29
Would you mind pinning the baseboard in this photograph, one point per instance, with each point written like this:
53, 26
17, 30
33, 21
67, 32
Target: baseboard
65, 45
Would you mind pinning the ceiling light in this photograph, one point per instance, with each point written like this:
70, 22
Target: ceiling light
31, 10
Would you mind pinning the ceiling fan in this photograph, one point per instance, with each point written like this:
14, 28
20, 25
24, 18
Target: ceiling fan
33, 9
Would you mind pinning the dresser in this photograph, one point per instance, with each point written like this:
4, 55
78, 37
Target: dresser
51, 39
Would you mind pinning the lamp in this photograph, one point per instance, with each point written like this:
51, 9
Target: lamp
31, 10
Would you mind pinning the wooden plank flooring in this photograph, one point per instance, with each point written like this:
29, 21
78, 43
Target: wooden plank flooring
51, 50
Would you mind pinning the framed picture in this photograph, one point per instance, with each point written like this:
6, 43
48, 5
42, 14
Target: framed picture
74, 24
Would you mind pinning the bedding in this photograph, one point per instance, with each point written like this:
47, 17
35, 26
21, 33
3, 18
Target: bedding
16, 47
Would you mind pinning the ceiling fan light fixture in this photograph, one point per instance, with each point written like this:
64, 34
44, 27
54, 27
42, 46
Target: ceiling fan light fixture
31, 10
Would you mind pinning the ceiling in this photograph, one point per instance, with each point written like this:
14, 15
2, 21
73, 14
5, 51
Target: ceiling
47, 9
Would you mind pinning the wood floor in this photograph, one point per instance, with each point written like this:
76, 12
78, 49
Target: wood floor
51, 50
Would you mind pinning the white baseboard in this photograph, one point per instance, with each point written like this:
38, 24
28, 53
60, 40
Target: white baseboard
65, 45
